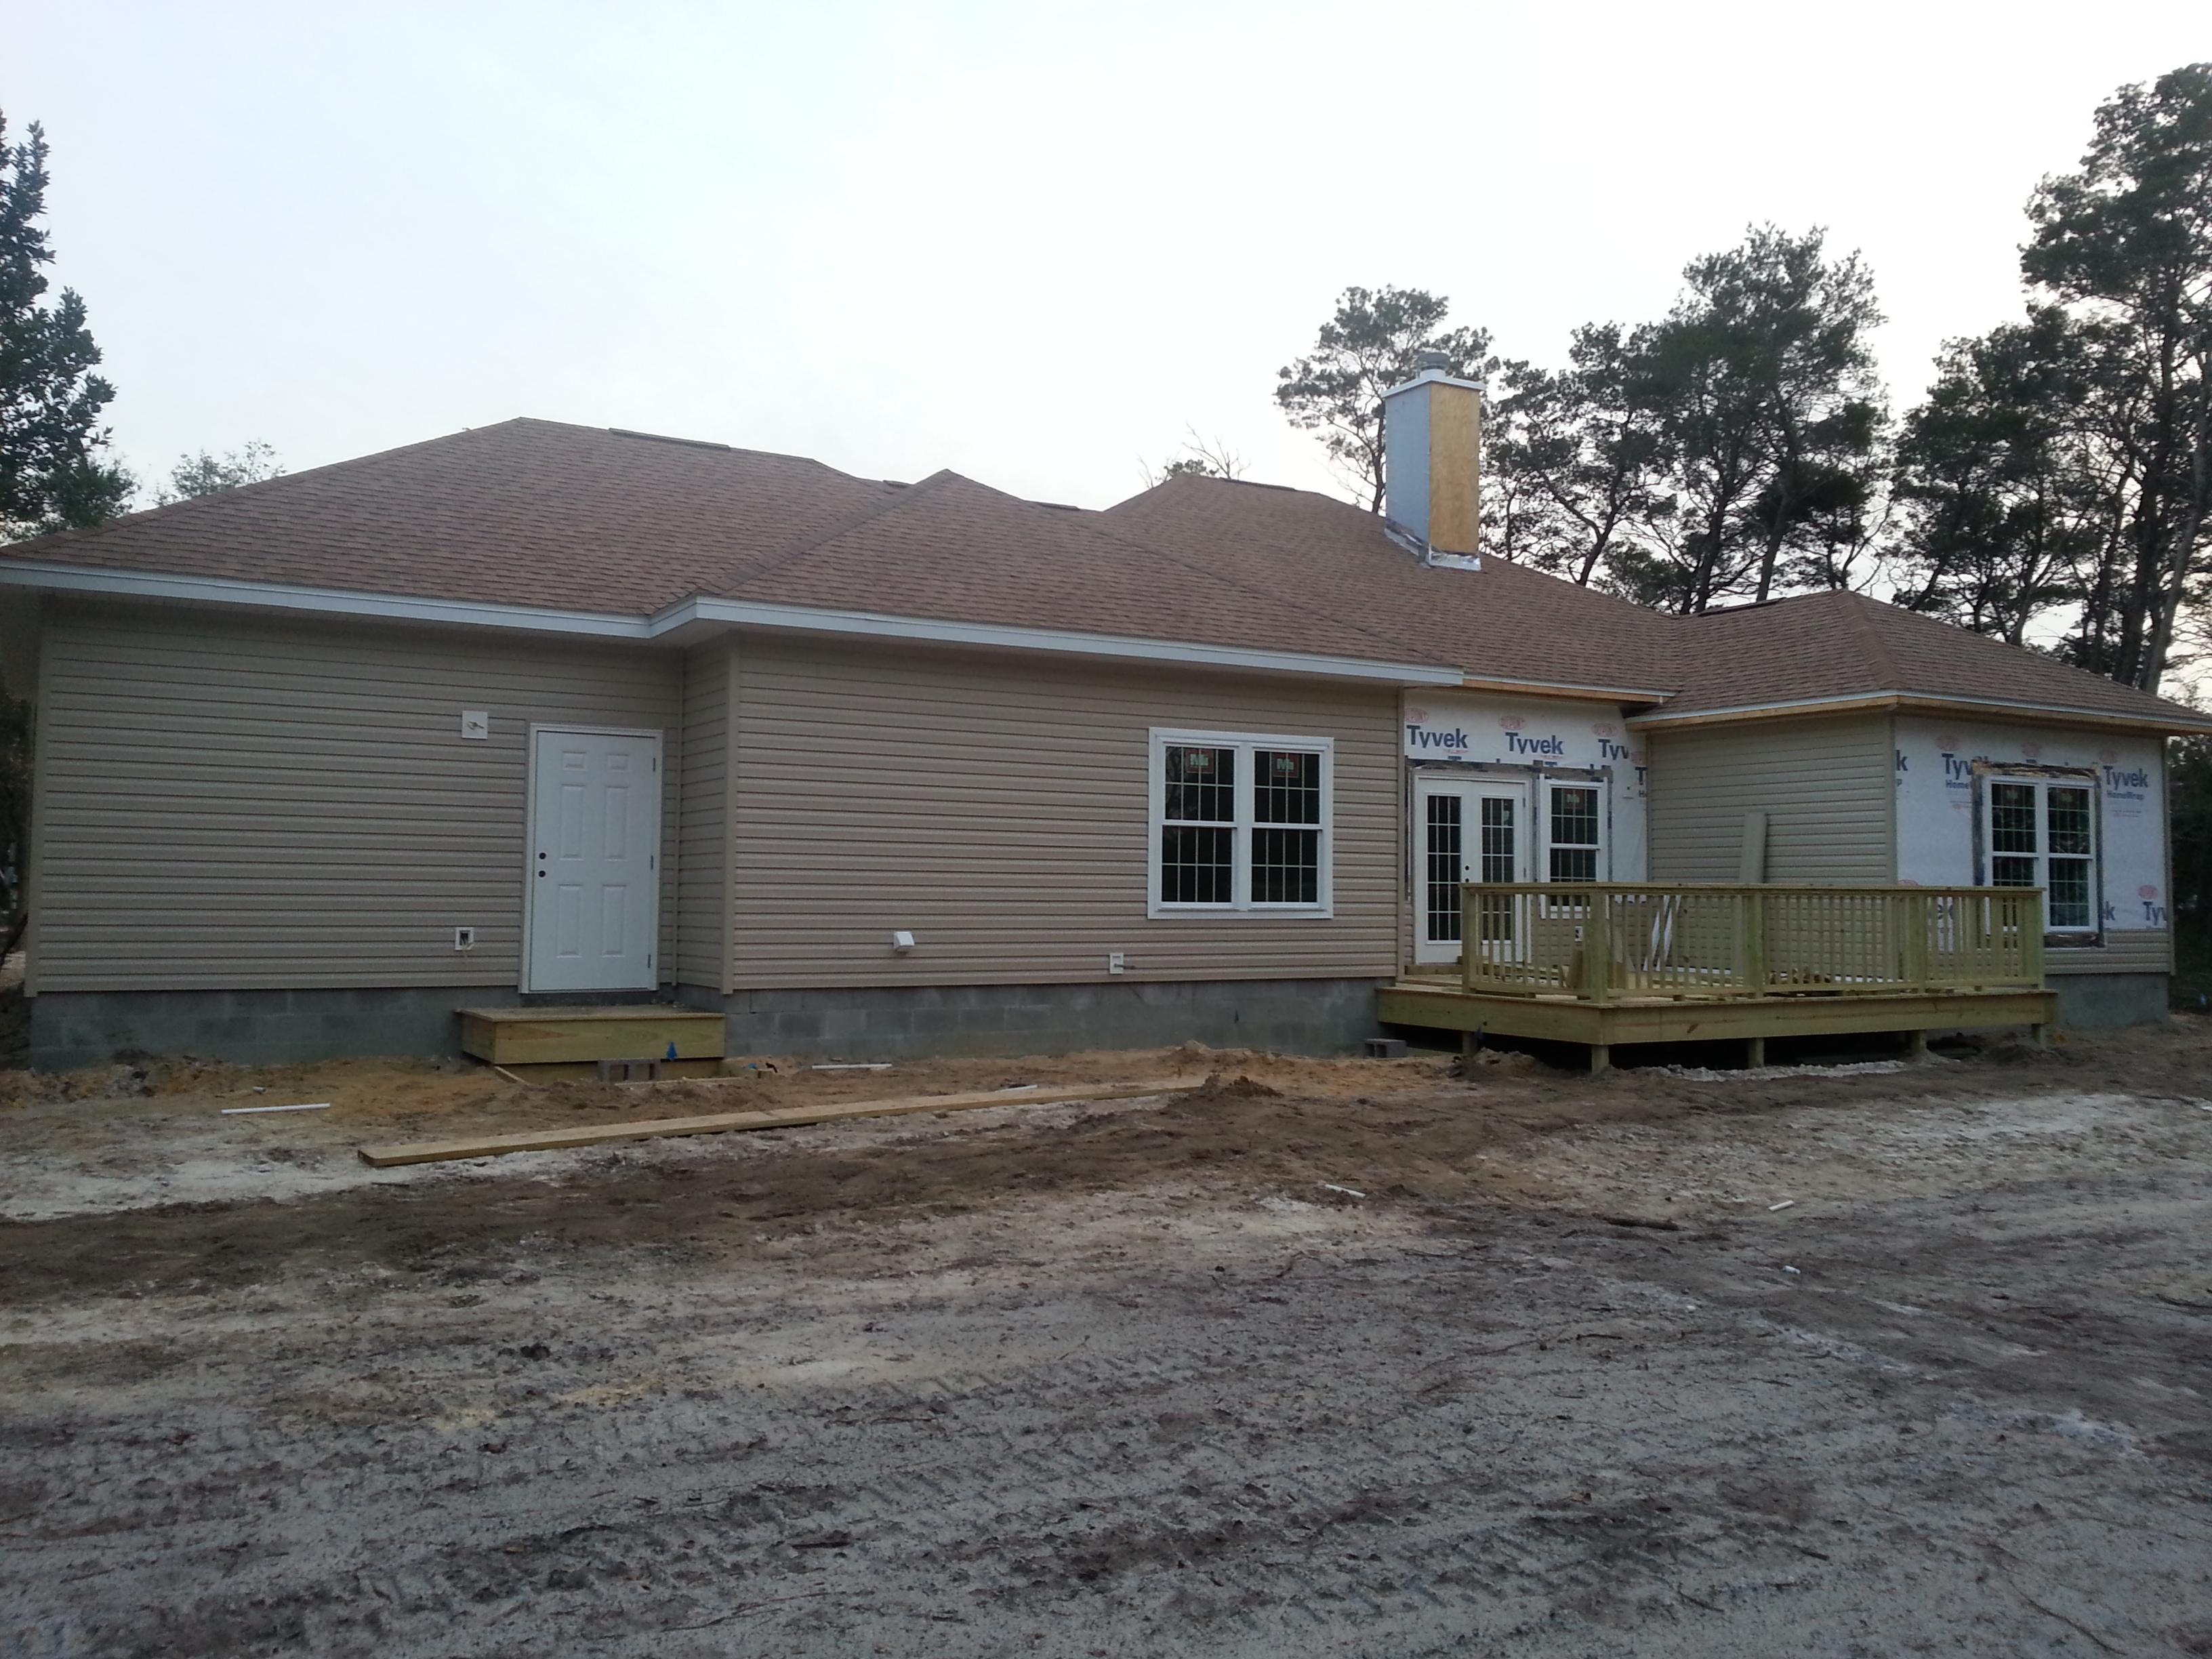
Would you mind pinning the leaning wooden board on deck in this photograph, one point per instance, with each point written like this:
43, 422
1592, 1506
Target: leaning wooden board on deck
656, 1128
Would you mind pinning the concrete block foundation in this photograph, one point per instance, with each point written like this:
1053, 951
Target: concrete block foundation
1295, 1016
73, 1029
2091, 1002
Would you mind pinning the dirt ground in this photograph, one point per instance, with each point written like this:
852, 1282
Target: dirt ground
1330, 1358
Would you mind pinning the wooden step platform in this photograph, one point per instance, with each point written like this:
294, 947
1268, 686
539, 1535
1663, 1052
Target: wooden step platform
544, 1042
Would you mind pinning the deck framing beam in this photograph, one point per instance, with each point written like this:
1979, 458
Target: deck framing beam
1740, 1019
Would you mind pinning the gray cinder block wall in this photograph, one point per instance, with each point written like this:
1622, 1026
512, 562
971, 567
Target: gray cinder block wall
72, 1028
1296, 1016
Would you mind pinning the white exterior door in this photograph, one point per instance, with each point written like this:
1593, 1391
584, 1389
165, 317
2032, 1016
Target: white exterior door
594, 904
1463, 830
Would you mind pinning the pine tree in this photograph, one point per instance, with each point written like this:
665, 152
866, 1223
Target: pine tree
53, 473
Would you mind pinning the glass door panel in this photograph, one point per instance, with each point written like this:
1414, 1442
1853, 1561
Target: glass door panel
1464, 830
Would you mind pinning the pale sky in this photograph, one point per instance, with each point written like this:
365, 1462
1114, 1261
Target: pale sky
1028, 242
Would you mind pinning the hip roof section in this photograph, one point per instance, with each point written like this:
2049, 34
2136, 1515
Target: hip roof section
584, 519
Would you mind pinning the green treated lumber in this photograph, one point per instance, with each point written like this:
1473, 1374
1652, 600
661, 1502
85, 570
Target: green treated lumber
598, 1135
1566, 1020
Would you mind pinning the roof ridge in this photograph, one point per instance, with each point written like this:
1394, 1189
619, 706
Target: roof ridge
183, 504
1087, 520
1885, 659
896, 495
1214, 576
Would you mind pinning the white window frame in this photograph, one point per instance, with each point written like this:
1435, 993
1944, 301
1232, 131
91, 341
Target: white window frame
1246, 743
2043, 784
1604, 824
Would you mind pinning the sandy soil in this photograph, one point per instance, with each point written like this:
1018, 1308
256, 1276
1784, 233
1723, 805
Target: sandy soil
1330, 1359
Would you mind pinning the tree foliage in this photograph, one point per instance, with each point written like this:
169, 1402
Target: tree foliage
1366, 346
1578, 458
53, 471
2125, 246
205, 473
1201, 458
1732, 449
1999, 488
2056, 477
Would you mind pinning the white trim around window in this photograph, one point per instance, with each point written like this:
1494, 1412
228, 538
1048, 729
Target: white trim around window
2040, 830
1586, 853
1218, 827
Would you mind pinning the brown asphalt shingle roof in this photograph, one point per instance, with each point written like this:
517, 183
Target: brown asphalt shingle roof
524, 512
1503, 621
536, 513
1508, 622
1840, 645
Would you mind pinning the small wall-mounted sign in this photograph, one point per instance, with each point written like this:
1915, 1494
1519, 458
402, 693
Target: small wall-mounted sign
475, 723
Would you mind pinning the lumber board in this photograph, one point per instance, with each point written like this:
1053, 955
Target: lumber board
657, 1128
1703, 1019
526, 1036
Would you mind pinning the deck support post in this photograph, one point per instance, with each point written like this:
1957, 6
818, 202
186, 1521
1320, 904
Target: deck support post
2039, 1036
1601, 1058
1915, 1043
1755, 1053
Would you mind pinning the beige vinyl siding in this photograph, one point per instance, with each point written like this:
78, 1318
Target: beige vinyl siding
998, 809
1827, 787
2141, 951
702, 903
241, 803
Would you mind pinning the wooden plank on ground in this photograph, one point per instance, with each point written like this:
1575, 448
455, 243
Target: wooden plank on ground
597, 1134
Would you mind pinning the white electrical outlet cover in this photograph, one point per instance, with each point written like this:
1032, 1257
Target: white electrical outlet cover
475, 723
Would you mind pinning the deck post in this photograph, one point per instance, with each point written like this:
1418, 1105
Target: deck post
1754, 940
1601, 1058
1915, 1043
1919, 922
1597, 953
1470, 933
2030, 945
1755, 1053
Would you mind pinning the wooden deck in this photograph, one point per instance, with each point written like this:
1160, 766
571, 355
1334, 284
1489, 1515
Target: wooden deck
1603, 965
1443, 1007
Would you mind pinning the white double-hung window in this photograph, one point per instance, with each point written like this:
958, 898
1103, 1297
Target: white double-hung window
1574, 838
1240, 822
2042, 832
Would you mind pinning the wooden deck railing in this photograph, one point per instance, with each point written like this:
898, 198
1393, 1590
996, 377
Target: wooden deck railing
1602, 942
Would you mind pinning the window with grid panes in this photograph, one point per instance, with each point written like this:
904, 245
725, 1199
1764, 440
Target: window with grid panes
2042, 832
1241, 823
1574, 828
1198, 825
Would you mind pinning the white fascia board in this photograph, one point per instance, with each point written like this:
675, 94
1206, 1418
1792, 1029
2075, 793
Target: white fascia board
1563, 689
1910, 701
280, 596
805, 619
219, 590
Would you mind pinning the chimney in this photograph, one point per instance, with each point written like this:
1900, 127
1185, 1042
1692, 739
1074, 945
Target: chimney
1432, 455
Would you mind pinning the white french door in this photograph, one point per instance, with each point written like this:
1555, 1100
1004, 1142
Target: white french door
593, 915
1463, 830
